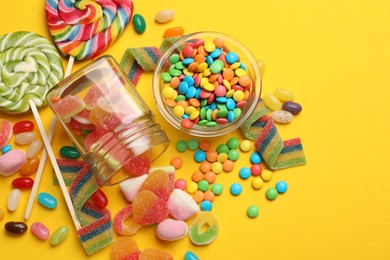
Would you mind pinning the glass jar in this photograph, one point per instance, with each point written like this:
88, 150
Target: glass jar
107, 121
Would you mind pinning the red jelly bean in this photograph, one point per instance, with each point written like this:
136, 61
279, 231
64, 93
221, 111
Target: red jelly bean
100, 198
22, 183
23, 126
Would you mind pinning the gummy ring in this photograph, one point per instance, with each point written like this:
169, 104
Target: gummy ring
204, 218
119, 222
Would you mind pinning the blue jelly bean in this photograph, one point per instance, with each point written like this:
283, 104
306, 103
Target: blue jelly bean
209, 60
199, 156
6, 149
236, 189
231, 57
190, 81
190, 256
187, 61
255, 158
47, 200
221, 100
281, 186
206, 205
230, 116
216, 53
230, 104
191, 92
245, 173
183, 87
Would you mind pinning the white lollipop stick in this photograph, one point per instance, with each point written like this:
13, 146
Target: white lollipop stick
55, 165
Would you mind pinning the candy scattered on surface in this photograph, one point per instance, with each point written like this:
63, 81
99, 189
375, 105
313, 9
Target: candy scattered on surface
190, 256
206, 205
100, 199
40, 230
47, 200
257, 183
139, 23
34, 148
123, 223
245, 146
6, 131
282, 117
171, 229
15, 227
181, 146
256, 169
292, 107
25, 138
181, 184
255, 158
69, 152
59, 235
13, 199
148, 208
252, 211
245, 173
176, 162
6, 148
271, 194
235, 189
164, 16
217, 189
130, 187
181, 206
29, 167
160, 183
284, 94
11, 162
266, 175
173, 32
23, 126
272, 102
204, 228
281, 186
22, 183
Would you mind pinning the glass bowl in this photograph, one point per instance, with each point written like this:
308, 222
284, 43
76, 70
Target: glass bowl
207, 84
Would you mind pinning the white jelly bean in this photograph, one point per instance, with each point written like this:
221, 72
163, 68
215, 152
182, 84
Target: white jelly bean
284, 94
34, 149
164, 16
13, 199
25, 138
282, 116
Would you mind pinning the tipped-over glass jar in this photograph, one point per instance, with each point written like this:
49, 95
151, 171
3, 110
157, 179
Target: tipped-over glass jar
107, 121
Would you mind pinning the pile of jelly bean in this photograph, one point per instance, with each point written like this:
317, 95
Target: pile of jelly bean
282, 104
206, 84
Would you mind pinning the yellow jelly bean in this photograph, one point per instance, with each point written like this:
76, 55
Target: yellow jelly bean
240, 72
178, 111
284, 94
272, 102
235, 65
209, 46
202, 66
238, 96
168, 93
209, 87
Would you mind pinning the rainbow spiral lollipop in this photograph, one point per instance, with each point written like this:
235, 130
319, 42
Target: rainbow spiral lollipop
29, 67
84, 29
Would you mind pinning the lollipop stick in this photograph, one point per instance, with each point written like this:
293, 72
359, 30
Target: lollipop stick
38, 176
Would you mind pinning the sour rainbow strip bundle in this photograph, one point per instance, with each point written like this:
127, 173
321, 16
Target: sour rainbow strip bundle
85, 29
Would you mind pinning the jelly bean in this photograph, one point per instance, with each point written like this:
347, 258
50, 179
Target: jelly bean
292, 107
59, 235
281, 186
6, 148
34, 148
190, 256
181, 146
255, 158
69, 152
271, 194
164, 16
203, 185
257, 183
100, 199
181, 184
25, 138
17, 228
139, 23
256, 169
171, 229
217, 188
284, 94
199, 156
252, 211
2, 214
23, 126
197, 235
281, 116
272, 102
193, 144
22, 183
235, 189
47, 200
40, 230
245, 146
29, 167
206, 205
174, 31
244, 173
11, 162
13, 199
266, 175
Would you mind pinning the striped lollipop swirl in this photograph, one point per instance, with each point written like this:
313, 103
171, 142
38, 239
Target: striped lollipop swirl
29, 67
86, 28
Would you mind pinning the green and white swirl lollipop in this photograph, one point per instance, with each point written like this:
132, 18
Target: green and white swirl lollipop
29, 67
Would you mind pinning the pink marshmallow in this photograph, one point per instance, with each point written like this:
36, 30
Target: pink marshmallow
11, 162
171, 229
181, 205
130, 187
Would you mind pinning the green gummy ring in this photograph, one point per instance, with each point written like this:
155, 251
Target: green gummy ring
203, 218
30, 67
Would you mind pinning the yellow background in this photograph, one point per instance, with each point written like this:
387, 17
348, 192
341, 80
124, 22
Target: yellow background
335, 57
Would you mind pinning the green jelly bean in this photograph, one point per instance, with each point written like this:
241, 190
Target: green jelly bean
222, 113
166, 77
59, 235
139, 23
181, 146
216, 66
179, 65
222, 148
211, 124
174, 58
233, 143
69, 152
233, 155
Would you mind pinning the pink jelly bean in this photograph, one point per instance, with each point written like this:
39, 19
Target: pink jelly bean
11, 162
40, 230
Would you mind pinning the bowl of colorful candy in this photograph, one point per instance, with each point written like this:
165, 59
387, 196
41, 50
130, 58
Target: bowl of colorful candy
207, 84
